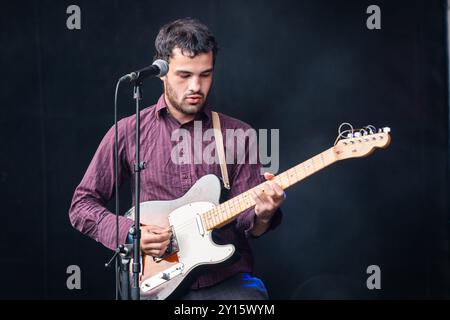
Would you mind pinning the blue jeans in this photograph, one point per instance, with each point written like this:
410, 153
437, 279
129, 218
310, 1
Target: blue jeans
241, 286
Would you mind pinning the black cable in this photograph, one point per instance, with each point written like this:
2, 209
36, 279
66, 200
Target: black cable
116, 183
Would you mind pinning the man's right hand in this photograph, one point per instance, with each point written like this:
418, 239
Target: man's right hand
155, 239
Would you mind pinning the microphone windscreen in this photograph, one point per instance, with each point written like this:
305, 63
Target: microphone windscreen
163, 67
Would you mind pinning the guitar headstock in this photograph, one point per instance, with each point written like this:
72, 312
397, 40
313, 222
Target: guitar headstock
361, 143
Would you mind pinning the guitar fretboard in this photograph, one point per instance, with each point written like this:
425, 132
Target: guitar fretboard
227, 211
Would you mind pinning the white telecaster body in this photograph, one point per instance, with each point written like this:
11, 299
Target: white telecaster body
195, 245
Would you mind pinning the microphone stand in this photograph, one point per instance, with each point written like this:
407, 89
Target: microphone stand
136, 230
122, 266
123, 251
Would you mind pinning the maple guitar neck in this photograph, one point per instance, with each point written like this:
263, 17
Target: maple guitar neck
357, 145
227, 211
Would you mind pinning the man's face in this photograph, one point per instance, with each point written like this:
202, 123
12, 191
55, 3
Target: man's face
188, 81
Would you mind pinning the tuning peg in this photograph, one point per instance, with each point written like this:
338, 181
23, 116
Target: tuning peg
357, 134
386, 129
350, 135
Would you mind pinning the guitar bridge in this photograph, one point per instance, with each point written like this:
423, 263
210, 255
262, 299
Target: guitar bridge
162, 277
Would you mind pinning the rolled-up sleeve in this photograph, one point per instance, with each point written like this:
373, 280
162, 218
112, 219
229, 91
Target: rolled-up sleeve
88, 212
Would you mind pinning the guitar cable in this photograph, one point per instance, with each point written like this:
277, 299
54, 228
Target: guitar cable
116, 185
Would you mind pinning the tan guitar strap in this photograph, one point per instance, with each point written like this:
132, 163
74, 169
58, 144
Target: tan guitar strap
220, 149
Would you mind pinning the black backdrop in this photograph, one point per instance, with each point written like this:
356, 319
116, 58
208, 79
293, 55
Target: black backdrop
300, 66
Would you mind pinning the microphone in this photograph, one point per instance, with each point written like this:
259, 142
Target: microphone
159, 68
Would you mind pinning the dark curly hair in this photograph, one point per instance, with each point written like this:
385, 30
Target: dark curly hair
189, 35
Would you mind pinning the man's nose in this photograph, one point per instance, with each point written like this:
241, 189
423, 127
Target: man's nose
194, 84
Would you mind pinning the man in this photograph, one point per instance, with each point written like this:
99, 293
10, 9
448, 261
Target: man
190, 50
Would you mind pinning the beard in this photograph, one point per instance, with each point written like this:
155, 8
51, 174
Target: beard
180, 104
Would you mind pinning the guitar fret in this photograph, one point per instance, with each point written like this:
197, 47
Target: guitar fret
291, 175
319, 162
299, 177
230, 208
223, 212
302, 166
226, 211
225, 215
217, 214
305, 169
214, 219
208, 216
245, 199
287, 179
226, 208
210, 220
238, 199
233, 208
310, 171
238, 203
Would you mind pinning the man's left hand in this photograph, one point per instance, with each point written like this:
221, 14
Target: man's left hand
268, 198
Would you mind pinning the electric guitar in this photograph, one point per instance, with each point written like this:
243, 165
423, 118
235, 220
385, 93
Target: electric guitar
195, 215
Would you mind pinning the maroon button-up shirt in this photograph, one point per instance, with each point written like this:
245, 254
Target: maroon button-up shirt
162, 179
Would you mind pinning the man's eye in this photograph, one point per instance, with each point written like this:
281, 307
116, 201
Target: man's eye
205, 75
184, 76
